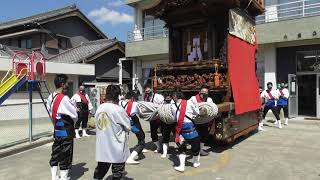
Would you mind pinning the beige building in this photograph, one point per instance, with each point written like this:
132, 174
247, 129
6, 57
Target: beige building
289, 44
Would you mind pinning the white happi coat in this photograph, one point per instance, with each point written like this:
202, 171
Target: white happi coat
156, 98
113, 126
77, 99
134, 110
191, 111
266, 96
268, 99
194, 100
66, 107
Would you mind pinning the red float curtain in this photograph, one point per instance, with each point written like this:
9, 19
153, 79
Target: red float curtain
244, 83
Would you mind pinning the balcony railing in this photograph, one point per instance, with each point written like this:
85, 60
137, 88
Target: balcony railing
149, 33
291, 10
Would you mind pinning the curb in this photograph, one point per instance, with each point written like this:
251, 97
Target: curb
23, 148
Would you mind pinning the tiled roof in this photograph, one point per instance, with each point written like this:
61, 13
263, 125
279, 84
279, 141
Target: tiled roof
84, 51
10, 51
45, 16
38, 17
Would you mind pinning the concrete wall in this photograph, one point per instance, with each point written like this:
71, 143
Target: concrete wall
139, 64
72, 69
148, 47
5, 63
138, 18
275, 32
268, 53
152, 64
55, 68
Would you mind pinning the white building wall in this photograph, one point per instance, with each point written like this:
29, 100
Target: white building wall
268, 52
138, 74
152, 64
138, 18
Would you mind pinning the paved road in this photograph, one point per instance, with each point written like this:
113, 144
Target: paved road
291, 153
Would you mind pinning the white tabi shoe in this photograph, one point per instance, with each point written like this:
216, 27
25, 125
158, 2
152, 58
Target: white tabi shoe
275, 123
260, 126
54, 173
77, 133
165, 150
182, 159
279, 124
84, 133
286, 122
64, 175
131, 160
145, 151
196, 161
158, 147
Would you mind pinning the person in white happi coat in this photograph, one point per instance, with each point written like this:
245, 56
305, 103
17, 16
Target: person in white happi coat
282, 103
203, 129
270, 98
185, 130
84, 107
113, 127
131, 107
64, 116
156, 98
167, 129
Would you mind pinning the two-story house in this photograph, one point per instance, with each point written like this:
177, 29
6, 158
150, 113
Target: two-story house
71, 43
66, 35
53, 32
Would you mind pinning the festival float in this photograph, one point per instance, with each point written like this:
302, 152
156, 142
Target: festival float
213, 42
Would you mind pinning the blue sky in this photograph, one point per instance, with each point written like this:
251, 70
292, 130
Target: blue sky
113, 17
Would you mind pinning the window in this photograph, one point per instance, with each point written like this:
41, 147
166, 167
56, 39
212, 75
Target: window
147, 77
307, 61
269, 2
153, 28
25, 43
62, 43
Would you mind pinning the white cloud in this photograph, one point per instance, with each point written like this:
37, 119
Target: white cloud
105, 15
115, 3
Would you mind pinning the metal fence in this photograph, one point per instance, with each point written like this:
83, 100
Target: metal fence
16, 127
150, 33
290, 10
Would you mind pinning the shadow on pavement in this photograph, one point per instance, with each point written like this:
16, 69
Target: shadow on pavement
125, 178
217, 147
92, 132
150, 146
78, 171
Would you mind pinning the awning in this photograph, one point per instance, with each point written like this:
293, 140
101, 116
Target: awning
244, 83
